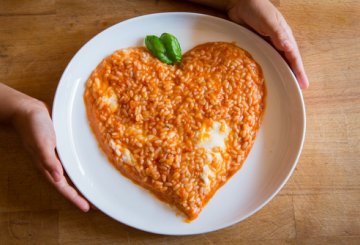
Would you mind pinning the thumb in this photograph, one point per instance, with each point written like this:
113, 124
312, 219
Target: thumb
280, 34
282, 38
49, 161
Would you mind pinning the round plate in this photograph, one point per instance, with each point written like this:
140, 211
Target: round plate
265, 171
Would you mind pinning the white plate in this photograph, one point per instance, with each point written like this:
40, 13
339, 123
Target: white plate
267, 168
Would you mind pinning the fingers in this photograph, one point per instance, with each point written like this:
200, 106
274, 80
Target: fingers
283, 40
36, 129
265, 19
50, 163
68, 192
294, 59
51, 167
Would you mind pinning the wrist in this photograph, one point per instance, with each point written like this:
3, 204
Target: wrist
231, 4
234, 9
24, 107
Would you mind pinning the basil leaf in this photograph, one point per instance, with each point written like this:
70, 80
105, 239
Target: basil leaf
157, 48
172, 46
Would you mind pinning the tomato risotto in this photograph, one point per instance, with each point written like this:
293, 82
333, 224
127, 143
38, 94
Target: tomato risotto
180, 131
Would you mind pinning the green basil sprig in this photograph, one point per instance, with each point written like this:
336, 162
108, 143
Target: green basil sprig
172, 46
166, 48
157, 48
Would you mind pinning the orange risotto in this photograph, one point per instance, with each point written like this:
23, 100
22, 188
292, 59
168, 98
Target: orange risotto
180, 131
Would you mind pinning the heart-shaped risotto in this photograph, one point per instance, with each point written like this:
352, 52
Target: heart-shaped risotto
180, 131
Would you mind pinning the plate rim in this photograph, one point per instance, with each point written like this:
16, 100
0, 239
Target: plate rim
267, 200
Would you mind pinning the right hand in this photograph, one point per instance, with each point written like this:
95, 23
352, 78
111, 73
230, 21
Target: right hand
34, 125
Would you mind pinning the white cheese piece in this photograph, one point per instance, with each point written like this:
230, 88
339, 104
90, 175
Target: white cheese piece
209, 156
171, 135
112, 144
110, 99
213, 137
115, 147
210, 138
205, 176
218, 156
127, 157
122, 152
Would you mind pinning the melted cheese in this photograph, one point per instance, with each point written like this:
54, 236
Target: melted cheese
127, 157
210, 138
122, 152
110, 100
116, 147
214, 136
205, 176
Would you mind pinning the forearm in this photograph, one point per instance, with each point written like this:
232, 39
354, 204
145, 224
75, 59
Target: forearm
12, 102
223, 5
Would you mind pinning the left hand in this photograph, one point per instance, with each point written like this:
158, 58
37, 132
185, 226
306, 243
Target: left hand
264, 18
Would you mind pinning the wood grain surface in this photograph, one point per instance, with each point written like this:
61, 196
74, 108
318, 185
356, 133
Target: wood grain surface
319, 205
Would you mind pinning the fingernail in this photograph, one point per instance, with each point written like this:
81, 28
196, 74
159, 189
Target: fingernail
286, 44
56, 175
85, 207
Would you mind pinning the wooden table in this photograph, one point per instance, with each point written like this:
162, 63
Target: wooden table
319, 204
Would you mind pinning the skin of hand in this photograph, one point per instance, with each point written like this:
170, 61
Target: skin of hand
31, 118
32, 121
264, 18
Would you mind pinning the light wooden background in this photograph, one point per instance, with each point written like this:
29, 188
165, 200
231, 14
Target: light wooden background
320, 203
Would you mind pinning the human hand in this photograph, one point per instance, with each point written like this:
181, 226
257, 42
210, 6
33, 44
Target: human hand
34, 125
264, 18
